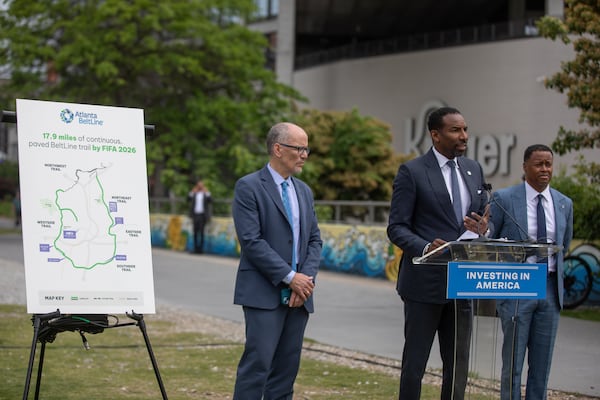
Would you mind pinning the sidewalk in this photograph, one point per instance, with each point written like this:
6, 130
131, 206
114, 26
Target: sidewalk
8, 223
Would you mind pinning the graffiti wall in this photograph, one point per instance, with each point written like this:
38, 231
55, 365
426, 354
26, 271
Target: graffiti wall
351, 249
590, 254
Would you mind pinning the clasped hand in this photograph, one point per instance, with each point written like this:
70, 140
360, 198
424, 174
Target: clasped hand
302, 288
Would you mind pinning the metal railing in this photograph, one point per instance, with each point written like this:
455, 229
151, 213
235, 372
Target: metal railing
429, 40
330, 211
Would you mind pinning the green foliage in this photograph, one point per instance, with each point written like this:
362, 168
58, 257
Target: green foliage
9, 179
199, 76
585, 313
580, 77
586, 201
197, 72
9, 170
6, 208
351, 156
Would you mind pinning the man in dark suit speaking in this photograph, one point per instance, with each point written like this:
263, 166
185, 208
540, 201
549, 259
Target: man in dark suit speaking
280, 241
436, 198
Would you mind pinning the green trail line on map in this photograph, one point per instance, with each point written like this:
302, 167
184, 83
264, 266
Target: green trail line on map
69, 210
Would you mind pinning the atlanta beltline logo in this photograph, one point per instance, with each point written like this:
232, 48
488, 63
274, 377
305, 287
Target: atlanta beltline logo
85, 118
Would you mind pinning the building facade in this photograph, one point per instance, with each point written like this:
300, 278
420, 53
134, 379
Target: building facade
494, 74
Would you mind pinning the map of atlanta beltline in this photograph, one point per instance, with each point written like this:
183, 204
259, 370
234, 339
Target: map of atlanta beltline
85, 215
85, 236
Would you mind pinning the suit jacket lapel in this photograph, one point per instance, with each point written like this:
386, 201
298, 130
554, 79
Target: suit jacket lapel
438, 185
519, 197
272, 190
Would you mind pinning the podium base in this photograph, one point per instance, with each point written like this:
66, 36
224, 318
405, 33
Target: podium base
484, 308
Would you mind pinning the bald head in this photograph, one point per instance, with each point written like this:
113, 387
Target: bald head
287, 145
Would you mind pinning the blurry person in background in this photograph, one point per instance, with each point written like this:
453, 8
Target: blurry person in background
200, 212
16, 203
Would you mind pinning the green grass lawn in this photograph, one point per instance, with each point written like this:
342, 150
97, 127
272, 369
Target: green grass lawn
583, 312
193, 365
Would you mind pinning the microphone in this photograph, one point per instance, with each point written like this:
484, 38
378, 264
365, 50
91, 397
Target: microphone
488, 188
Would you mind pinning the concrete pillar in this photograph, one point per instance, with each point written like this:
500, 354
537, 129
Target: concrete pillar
555, 8
286, 38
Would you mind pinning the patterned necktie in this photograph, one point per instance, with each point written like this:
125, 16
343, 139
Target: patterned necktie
542, 236
288, 210
456, 202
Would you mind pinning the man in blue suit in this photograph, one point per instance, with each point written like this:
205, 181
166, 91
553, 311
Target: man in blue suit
433, 203
531, 325
280, 241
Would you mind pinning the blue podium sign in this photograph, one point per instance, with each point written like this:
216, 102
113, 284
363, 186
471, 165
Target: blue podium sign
484, 280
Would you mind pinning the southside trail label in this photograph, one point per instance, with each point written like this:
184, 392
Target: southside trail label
478, 280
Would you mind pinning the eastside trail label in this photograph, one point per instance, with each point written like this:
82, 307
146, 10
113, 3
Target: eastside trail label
478, 280
85, 215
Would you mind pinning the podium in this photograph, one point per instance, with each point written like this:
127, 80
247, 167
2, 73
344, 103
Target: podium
493, 251
489, 255
487, 250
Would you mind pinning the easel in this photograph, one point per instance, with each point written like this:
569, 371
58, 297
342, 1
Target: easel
51, 324
47, 326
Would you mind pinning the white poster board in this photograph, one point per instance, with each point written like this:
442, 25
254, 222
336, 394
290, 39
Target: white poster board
85, 215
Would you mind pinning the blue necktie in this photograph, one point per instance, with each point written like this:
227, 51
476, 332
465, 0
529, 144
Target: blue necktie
542, 236
288, 210
456, 202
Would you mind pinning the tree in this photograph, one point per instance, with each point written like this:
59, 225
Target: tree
351, 156
9, 179
580, 77
586, 198
192, 65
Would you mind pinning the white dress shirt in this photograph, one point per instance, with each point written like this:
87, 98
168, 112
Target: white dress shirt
532, 200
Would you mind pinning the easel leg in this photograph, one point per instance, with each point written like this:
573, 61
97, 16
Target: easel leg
37, 323
36, 328
142, 325
39, 372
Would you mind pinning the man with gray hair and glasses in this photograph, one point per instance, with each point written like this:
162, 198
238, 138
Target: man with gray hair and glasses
276, 226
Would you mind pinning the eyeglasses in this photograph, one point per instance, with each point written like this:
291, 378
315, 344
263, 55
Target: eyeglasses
299, 149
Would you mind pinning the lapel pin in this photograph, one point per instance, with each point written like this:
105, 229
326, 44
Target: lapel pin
469, 173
